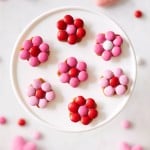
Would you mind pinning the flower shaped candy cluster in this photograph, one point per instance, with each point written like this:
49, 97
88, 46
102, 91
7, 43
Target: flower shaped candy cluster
108, 45
35, 51
83, 110
40, 93
73, 72
114, 83
70, 29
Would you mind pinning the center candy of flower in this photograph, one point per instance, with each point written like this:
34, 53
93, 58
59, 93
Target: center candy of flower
107, 45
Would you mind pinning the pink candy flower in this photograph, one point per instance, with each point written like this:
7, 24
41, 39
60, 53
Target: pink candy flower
40, 93
73, 72
35, 51
108, 45
114, 83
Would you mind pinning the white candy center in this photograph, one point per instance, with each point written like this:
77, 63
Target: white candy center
107, 45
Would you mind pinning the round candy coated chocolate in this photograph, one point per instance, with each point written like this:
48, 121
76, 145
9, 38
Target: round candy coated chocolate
123, 79
100, 38
80, 100
42, 103
90, 103
109, 91
118, 72
108, 74
105, 2
27, 44
50, 96
61, 25
33, 100
72, 61
64, 78
63, 67
124, 146
110, 35
71, 29
30, 146
107, 45
118, 41
40, 93
74, 82
98, 49
78, 22
83, 110
33, 61
73, 107
43, 57
73, 72
24, 54
92, 113
37, 83
72, 39
137, 147
68, 19
80, 33
30, 91
126, 124
75, 117
103, 82
81, 66
120, 89
37, 40
44, 47
62, 35
83, 75
3, 120
116, 51
46, 86
85, 120
106, 55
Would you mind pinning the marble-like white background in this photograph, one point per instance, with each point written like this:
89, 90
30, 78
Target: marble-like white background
14, 16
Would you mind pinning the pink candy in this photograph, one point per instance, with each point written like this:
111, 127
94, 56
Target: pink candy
108, 45
114, 82
126, 124
19, 143
3, 120
40, 93
35, 51
105, 2
73, 72
126, 146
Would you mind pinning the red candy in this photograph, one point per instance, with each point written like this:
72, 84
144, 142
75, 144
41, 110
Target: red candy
70, 29
40, 93
61, 25
62, 35
34, 51
90, 103
114, 81
138, 13
73, 72
80, 100
21, 122
83, 110
73, 107
72, 39
68, 19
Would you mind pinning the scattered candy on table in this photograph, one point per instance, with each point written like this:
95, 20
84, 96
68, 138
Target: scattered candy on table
35, 51
138, 14
72, 71
105, 2
40, 93
83, 110
70, 29
114, 83
108, 45
3, 120
20, 143
37, 135
126, 124
21, 122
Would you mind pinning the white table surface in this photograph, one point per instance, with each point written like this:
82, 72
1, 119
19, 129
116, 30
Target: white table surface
14, 16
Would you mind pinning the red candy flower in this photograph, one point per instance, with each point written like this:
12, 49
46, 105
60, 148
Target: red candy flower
83, 110
70, 29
